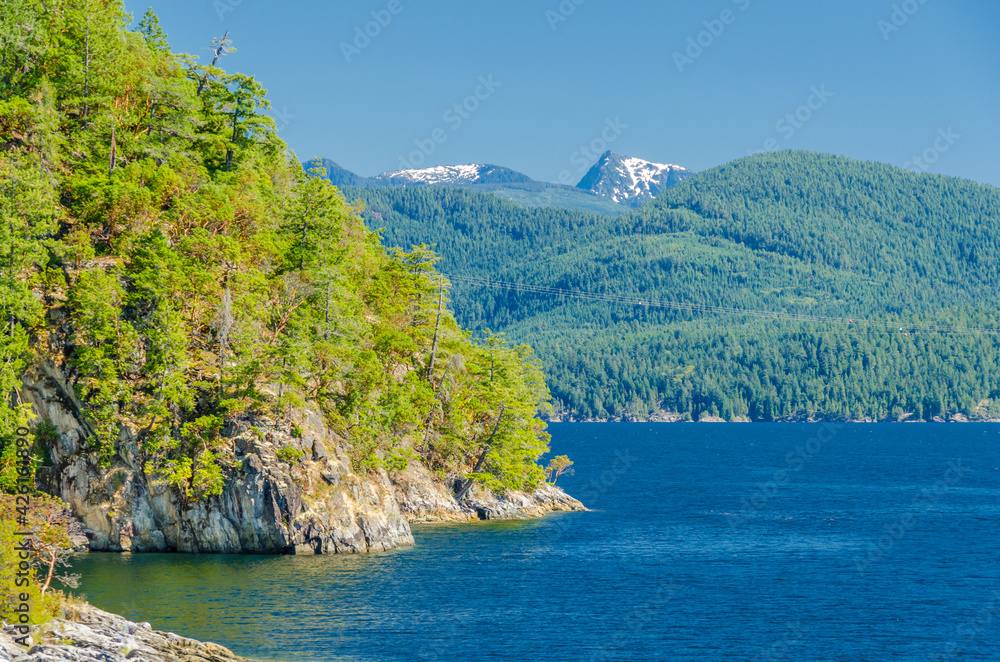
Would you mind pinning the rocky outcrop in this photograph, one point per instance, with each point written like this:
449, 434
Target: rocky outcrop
423, 498
281, 494
308, 502
522, 505
87, 634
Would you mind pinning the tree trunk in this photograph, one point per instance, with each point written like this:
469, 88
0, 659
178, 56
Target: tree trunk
437, 335
302, 253
430, 416
277, 403
152, 119
225, 326
51, 563
218, 53
482, 458
229, 152
86, 69
326, 331
114, 155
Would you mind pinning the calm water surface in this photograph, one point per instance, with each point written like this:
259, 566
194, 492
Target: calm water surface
727, 542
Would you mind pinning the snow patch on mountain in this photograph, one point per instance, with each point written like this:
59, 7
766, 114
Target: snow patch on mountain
460, 174
629, 180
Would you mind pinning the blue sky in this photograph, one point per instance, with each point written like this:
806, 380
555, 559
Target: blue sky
541, 85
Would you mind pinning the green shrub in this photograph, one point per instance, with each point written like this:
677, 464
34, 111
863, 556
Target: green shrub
289, 454
396, 462
46, 435
27, 583
208, 479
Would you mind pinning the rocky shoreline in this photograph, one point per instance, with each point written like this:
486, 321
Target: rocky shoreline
283, 493
83, 633
87, 634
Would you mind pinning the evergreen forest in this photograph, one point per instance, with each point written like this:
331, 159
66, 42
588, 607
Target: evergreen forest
852, 291
161, 246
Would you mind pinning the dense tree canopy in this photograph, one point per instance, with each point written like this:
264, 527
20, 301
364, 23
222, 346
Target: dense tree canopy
158, 240
793, 233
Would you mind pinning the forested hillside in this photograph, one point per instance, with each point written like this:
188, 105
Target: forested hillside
163, 249
885, 253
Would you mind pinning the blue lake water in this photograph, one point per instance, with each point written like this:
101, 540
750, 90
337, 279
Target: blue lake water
707, 542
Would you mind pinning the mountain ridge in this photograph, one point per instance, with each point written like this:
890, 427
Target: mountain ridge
604, 195
629, 180
459, 175
796, 233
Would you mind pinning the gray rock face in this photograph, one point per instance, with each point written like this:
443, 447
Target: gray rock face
88, 634
307, 506
422, 498
522, 505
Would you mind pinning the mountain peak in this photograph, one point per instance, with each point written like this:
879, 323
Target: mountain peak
629, 180
460, 175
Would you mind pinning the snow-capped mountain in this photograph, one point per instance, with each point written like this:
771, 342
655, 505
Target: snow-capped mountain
611, 187
631, 181
461, 175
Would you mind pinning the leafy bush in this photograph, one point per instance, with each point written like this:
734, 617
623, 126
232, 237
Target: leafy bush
31, 563
289, 454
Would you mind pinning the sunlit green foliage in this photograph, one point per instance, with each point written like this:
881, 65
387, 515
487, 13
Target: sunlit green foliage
158, 240
29, 563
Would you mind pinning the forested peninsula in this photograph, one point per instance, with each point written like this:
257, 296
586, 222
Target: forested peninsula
203, 348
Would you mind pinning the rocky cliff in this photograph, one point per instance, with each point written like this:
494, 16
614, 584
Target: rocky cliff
282, 493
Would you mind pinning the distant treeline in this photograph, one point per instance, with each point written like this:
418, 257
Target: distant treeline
790, 232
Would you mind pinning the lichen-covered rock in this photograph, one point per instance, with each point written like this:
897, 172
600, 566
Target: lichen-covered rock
87, 634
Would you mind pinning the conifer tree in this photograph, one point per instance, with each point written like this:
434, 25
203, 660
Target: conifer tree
157, 232
149, 28
27, 217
